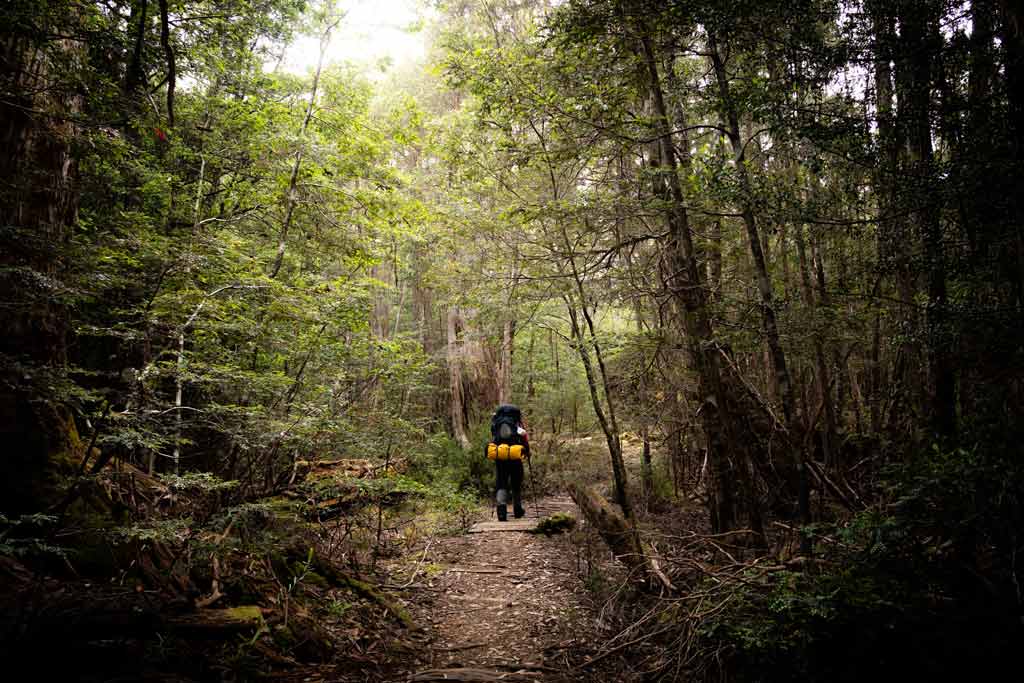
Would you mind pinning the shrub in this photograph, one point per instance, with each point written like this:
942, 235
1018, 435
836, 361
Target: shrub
921, 585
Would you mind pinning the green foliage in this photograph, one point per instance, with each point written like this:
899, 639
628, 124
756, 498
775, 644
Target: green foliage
250, 515
197, 482
174, 530
26, 536
457, 505
383, 487
300, 571
337, 609
256, 279
444, 464
902, 588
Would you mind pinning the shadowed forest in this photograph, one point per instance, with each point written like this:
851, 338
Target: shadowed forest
752, 270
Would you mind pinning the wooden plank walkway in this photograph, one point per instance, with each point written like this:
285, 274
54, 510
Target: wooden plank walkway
534, 513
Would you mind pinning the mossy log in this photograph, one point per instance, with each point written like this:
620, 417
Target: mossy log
84, 618
622, 538
330, 573
213, 621
367, 591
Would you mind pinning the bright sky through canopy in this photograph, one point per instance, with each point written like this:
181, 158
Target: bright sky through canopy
372, 30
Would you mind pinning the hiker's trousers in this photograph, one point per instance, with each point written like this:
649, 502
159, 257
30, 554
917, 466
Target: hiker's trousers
509, 477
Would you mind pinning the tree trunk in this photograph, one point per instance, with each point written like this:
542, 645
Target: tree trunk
1012, 35
606, 418
169, 58
456, 404
690, 297
764, 285
38, 209
621, 537
915, 111
821, 366
505, 362
893, 237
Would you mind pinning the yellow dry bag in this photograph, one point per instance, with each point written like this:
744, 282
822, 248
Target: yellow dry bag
504, 452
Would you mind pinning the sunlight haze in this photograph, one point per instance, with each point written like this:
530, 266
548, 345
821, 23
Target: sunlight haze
373, 31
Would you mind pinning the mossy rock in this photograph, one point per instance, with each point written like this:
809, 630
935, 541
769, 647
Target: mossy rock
557, 523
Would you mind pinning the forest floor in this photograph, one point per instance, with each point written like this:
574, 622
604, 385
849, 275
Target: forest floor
492, 601
500, 603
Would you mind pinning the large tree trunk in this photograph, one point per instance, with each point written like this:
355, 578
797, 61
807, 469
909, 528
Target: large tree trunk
1012, 36
38, 208
690, 296
915, 21
894, 243
505, 362
457, 395
757, 251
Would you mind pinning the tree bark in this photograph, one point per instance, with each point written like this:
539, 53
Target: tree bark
135, 75
915, 20
606, 418
764, 285
691, 299
894, 240
821, 366
456, 404
38, 209
172, 69
621, 537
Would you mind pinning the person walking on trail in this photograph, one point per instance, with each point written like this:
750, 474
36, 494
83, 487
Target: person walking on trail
508, 446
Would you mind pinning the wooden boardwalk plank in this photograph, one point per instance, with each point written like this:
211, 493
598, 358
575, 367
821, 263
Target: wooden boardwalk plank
534, 513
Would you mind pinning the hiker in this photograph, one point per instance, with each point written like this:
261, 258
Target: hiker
508, 447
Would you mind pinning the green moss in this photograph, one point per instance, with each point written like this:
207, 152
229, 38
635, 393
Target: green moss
283, 636
245, 613
315, 579
365, 590
555, 524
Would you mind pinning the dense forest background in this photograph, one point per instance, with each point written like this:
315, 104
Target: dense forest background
775, 246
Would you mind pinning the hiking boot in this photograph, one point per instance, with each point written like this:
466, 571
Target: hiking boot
518, 511
502, 513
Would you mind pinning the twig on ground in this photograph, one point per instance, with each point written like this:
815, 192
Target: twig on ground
416, 569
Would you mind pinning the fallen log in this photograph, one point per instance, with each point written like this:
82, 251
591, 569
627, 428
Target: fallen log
367, 591
78, 619
213, 621
622, 538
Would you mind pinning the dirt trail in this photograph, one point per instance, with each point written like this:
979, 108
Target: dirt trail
503, 605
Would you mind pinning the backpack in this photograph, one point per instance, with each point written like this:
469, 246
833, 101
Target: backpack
504, 425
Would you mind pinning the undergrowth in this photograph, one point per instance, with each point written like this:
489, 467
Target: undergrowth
922, 585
